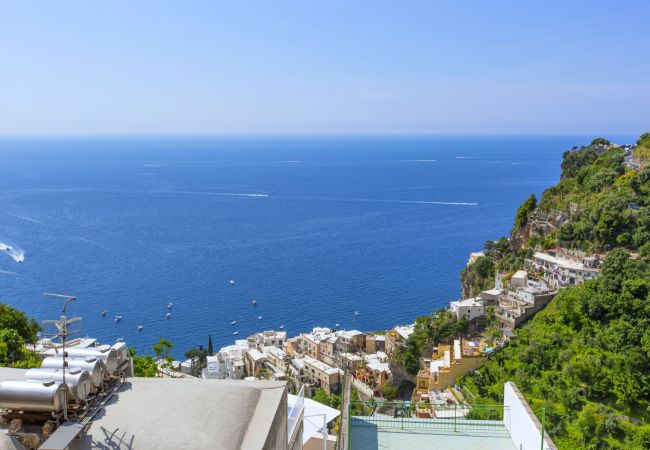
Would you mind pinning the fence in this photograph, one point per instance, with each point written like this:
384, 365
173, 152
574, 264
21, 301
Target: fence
407, 416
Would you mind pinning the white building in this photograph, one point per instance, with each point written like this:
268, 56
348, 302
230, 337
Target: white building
562, 270
470, 309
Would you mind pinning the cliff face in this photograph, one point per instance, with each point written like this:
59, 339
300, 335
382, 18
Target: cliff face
540, 224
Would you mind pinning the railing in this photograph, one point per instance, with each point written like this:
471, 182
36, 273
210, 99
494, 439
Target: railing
409, 416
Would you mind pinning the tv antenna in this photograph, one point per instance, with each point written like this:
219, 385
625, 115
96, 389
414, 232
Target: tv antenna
62, 327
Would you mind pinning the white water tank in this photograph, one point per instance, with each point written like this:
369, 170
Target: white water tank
78, 381
95, 367
32, 396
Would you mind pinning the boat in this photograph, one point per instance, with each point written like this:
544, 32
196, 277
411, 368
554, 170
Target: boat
337, 325
169, 315
104, 313
170, 305
259, 317
235, 333
118, 318
232, 282
281, 327
119, 339
140, 327
254, 302
233, 322
356, 313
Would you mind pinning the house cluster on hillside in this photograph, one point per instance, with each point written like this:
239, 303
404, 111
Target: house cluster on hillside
513, 301
517, 297
314, 360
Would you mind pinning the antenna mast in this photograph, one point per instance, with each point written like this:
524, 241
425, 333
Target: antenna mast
62, 327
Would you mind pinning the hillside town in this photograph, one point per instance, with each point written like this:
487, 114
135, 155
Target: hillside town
320, 359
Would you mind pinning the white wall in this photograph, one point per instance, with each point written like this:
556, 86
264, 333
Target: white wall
521, 422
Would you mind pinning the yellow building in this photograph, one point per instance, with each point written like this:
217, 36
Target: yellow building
447, 364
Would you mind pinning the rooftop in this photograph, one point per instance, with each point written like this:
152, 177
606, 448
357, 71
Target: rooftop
476, 301
320, 365
563, 262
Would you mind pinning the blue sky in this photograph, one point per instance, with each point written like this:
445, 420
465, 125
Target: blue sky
325, 67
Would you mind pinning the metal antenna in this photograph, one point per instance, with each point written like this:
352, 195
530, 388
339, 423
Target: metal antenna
62, 327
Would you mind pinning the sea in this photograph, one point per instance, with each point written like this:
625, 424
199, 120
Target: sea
366, 232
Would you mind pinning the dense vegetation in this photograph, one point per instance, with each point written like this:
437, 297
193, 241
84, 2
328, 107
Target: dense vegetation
16, 330
642, 151
586, 357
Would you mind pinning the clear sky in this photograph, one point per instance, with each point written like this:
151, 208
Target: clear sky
274, 66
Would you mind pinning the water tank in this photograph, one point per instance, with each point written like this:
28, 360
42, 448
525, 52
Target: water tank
32, 396
109, 356
122, 352
77, 380
95, 367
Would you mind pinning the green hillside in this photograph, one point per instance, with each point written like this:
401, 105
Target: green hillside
586, 357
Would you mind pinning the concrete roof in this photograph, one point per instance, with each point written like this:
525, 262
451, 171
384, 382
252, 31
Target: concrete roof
320, 365
171, 414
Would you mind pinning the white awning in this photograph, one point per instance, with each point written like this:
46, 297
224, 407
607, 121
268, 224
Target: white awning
313, 416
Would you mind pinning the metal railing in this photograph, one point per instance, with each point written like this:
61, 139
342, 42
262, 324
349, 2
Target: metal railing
445, 418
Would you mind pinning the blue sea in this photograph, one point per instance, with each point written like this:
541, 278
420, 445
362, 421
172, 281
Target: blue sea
313, 228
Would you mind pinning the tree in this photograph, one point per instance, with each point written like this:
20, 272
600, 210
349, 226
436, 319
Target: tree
210, 349
524, 211
11, 318
162, 348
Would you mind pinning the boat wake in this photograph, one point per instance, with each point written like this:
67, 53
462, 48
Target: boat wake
15, 253
388, 200
28, 219
226, 194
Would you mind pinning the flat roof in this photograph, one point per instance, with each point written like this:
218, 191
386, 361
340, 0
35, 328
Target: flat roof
563, 262
319, 365
162, 413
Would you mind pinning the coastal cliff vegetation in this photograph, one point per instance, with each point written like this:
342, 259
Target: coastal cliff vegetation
585, 359
17, 330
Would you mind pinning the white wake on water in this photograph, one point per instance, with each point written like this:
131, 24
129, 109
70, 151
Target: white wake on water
15, 253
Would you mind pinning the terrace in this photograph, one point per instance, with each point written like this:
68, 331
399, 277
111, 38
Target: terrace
471, 427
403, 425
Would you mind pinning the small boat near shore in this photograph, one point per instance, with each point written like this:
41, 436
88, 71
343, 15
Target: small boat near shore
281, 327
140, 327
104, 313
170, 305
235, 333
234, 322
118, 318
259, 318
169, 315
254, 302
232, 282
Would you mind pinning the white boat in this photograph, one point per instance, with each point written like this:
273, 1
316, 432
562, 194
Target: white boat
140, 327
281, 327
233, 322
337, 325
232, 282
119, 339
259, 317
104, 313
169, 315
235, 333
170, 305
254, 302
118, 318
